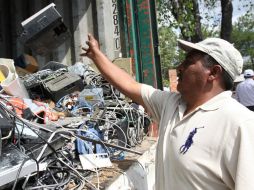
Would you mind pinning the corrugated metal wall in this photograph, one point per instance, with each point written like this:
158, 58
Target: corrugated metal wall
80, 16
129, 32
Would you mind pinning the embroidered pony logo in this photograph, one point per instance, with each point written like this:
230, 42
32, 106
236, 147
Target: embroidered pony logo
184, 148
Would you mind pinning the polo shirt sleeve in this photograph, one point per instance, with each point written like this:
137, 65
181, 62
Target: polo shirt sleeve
239, 156
154, 100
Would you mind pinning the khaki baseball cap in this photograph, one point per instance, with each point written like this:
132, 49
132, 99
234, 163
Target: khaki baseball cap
222, 51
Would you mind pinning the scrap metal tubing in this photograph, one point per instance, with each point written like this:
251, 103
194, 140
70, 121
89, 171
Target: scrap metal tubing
108, 144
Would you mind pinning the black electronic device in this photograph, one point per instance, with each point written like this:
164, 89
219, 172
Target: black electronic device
44, 31
62, 85
48, 84
34, 84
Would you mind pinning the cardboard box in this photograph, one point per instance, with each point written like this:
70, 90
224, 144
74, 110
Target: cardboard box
31, 63
27, 62
125, 64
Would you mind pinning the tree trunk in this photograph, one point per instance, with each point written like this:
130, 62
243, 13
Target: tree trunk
179, 11
197, 22
226, 19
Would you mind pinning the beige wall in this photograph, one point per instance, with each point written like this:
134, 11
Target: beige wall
80, 16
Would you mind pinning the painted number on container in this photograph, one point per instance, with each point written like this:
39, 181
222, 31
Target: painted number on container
116, 31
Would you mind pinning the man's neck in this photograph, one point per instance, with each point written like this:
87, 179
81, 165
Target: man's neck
193, 102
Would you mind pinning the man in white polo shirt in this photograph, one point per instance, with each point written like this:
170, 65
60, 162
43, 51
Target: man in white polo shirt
206, 138
245, 90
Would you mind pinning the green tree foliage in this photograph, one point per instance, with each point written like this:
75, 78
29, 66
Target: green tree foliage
182, 15
197, 19
243, 37
168, 51
190, 17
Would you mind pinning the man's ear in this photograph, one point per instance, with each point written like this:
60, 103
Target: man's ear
215, 72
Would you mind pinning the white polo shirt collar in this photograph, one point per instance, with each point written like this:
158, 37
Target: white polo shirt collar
211, 105
216, 102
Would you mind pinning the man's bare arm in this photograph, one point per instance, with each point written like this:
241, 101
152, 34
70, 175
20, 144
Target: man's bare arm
112, 73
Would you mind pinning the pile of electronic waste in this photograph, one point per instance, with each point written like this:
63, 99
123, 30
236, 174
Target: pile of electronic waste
72, 124
60, 126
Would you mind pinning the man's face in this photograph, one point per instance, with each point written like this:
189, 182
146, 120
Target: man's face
192, 75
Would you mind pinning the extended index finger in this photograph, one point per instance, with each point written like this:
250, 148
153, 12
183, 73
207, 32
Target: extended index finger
91, 37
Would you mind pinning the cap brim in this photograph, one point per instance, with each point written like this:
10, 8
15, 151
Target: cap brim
248, 75
188, 46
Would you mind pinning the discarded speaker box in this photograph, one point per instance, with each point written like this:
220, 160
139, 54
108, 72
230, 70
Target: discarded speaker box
44, 31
